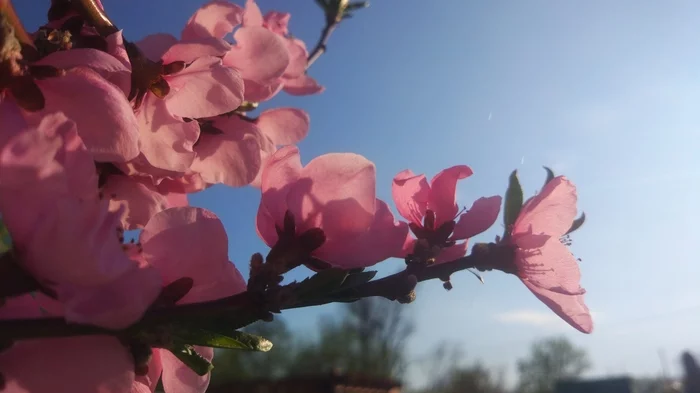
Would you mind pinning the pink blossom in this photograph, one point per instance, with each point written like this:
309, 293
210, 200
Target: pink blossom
228, 151
62, 233
279, 127
187, 242
543, 263
434, 216
138, 198
191, 83
336, 194
98, 364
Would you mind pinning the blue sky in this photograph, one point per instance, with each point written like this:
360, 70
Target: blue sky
606, 93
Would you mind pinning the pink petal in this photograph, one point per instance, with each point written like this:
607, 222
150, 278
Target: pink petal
410, 193
229, 282
479, 218
260, 55
138, 197
256, 92
189, 51
267, 149
551, 211
265, 226
302, 86
178, 378
109, 67
277, 22
148, 383
282, 170
214, 19
550, 267
76, 242
571, 308
99, 364
188, 242
297, 59
284, 126
104, 117
252, 15
12, 118
154, 46
20, 307
443, 189
335, 192
204, 89
115, 305
187, 183
384, 239
116, 48
232, 157
166, 141
451, 253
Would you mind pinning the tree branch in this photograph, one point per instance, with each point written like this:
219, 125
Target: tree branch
247, 307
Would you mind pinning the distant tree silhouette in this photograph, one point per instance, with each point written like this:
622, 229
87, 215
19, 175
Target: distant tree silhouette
550, 360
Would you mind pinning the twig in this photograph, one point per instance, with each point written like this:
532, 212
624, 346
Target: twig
320, 47
247, 307
92, 13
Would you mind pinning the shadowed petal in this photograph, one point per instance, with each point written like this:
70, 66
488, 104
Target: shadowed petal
410, 193
443, 189
284, 126
479, 218
214, 19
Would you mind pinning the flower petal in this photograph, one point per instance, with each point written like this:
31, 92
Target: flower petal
252, 15
281, 171
148, 383
551, 266
277, 22
258, 92
204, 89
259, 54
115, 305
384, 239
188, 242
443, 188
77, 364
214, 19
302, 86
178, 378
138, 197
265, 226
104, 117
451, 253
297, 59
191, 50
571, 308
551, 211
410, 193
335, 192
232, 157
479, 218
154, 46
166, 141
284, 126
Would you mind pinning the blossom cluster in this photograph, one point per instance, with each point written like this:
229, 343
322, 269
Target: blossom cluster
100, 135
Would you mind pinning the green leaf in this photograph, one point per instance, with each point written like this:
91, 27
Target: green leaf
577, 223
210, 335
191, 358
550, 175
513, 201
321, 283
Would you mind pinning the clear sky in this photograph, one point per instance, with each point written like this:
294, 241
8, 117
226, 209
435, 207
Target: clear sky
605, 92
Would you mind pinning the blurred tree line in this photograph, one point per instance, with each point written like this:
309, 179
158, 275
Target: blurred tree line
370, 338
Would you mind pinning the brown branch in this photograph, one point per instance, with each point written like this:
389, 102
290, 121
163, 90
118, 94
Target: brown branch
247, 307
320, 47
